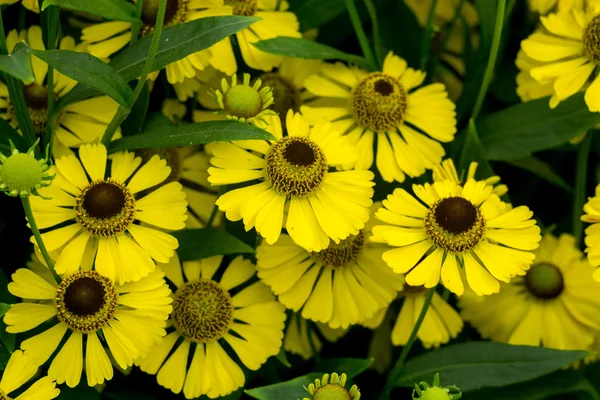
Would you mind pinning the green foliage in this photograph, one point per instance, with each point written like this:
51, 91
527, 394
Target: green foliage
195, 244
7, 134
18, 63
116, 10
541, 169
350, 366
314, 13
473, 151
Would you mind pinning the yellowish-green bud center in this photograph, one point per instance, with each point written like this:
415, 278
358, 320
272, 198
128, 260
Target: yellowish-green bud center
544, 281
332, 391
435, 393
242, 101
21, 172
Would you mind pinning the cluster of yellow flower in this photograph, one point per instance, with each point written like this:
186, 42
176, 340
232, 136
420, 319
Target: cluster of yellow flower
113, 292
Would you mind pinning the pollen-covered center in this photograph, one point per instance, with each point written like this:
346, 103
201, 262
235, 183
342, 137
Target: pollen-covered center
20, 172
175, 13
286, 95
342, 253
435, 393
242, 101
86, 301
4, 396
455, 224
202, 311
544, 281
242, 7
379, 102
170, 155
591, 39
332, 391
295, 166
105, 208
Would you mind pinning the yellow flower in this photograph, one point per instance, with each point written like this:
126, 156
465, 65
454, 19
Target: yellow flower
128, 319
545, 6
207, 313
19, 370
592, 233
568, 50
31, 5
294, 176
446, 170
332, 387
242, 102
459, 227
94, 215
408, 123
556, 303
528, 88
340, 285
297, 341
81, 122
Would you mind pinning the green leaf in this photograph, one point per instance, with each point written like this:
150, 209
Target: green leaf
18, 63
135, 121
308, 49
114, 10
520, 130
88, 70
476, 365
191, 134
314, 13
4, 308
195, 244
473, 151
350, 366
541, 169
293, 389
7, 133
398, 21
282, 358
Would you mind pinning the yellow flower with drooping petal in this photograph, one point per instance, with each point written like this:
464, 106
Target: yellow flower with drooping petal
122, 320
446, 170
207, 313
90, 211
297, 340
592, 233
555, 304
409, 121
20, 369
456, 227
296, 189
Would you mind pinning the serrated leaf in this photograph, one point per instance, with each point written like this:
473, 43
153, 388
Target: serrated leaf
114, 10
195, 244
520, 130
292, 389
314, 13
18, 63
191, 134
473, 151
476, 365
541, 169
349, 366
308, 49
88, 70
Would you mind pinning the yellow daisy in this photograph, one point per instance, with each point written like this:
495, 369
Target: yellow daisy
456, 227
556, 303
409, 123
569, 51
545, 6
81, 122
332, 387
528, 88
274, 23
295, 188
106, 38
446, 170
341, 285
127, 319
207, 313
94, 215
31, 5
297, 340
19, 370
592, 233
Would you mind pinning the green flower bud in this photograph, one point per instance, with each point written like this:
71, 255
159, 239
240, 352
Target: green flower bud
332, 388
21, 174
423, 391
242, 102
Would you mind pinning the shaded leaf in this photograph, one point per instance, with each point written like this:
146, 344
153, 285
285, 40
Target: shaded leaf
398, 21
473, 151
190, 134
541, 169
314, 13
477, 365
79, 392
18, 63
282, 358
114, 10
7, 133
349, 366
195, 244
308, 49
88, 70
135, 121
4, 308
292, 389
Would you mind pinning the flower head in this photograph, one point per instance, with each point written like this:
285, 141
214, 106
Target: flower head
242, 102
20, 369
125, 319
21, 174
207, 313
453, 227
332, 387
592, 233
435, 392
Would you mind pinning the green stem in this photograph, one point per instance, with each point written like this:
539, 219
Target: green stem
427, 36
360, 32
583, 153
378, 46
397, 370
489, 69
135, 28
122, 112
38, 236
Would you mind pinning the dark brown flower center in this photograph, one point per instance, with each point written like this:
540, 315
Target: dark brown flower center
456, 214
591, 40
544, 281
342, 253
175, 13
85, 296
299, 154
104, 200
242, 7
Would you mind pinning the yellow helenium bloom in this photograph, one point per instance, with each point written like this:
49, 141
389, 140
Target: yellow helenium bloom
569, 51
456, 227
446, 170
19, 370
81, 122
527, 87
409, 121
297, 340
207, 313
545, 6
31, 5
332, 387
556, 303
340, 285
95, 215
592, 233
296, 188
127, 320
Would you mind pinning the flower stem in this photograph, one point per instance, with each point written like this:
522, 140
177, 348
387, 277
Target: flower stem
489, 69
38, 236
427, 36
397, 370
378, 46
360, 32
583, 152
122, 112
